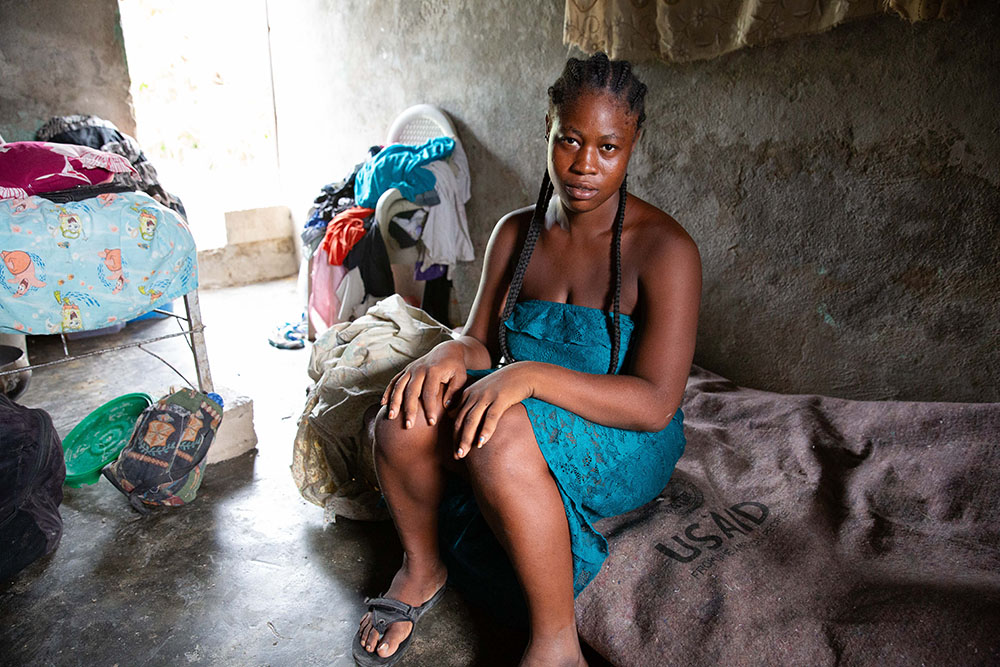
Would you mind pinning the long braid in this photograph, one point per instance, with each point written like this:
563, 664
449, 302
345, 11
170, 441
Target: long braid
617, 246
597, 73
534, 229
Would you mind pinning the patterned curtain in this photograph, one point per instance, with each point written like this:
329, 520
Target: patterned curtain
684, 30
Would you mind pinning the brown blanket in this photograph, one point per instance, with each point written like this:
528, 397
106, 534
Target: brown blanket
807, 530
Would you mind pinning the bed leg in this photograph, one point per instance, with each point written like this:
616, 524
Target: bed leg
193, 309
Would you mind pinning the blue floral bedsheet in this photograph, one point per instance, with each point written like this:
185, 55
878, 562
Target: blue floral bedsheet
89, 264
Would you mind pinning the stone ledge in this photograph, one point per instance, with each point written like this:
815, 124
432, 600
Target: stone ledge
236, 432
245, 263
259, 224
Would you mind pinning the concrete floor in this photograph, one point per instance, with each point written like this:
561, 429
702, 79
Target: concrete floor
245, 575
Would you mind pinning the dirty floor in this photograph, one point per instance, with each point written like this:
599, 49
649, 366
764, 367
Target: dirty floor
247, 574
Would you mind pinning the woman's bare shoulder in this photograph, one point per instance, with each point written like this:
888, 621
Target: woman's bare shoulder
510, 230
507, 236
669, 268
660, 237
518, 219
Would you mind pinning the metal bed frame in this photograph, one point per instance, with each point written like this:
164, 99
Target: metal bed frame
195, 340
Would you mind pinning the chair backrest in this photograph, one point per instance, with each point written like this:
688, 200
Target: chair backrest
413, 126
418, 124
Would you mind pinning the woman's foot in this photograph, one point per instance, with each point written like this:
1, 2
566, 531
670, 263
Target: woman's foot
411, 585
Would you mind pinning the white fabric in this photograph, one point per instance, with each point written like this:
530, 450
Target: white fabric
353, 362
460, 163
351, 294
446, 232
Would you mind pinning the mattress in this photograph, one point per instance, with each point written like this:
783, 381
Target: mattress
809, 530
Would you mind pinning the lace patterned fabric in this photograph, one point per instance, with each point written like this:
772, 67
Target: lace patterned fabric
600, 470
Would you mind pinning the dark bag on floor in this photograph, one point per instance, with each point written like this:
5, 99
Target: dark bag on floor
32, 473
163, 462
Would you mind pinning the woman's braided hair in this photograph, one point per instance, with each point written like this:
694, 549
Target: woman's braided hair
597, 73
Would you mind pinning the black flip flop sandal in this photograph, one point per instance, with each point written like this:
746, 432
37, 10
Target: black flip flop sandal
385, 612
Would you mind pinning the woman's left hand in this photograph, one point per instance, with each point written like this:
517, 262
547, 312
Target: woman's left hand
485, 401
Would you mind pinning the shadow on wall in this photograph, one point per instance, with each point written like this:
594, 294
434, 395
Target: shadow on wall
505, 192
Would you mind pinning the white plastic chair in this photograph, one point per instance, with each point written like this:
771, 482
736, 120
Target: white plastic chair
413, 126
418, 124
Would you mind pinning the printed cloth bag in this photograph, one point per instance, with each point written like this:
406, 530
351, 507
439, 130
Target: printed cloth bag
164, 460
83, 265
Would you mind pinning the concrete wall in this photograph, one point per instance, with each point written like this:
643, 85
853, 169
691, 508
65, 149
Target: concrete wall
843, 188
59, 58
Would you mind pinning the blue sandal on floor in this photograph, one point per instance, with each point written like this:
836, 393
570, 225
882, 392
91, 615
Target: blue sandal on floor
289, 336
385, 612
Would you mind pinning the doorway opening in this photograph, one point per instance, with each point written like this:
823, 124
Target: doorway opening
204, 107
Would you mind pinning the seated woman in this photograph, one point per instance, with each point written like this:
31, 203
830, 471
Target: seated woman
586, 312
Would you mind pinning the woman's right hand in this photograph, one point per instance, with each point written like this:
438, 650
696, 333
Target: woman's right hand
429, 383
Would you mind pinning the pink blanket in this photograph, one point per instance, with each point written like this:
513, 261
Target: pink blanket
36, 167
807, 530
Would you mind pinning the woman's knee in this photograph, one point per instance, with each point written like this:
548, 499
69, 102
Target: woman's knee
393, 442
510, 454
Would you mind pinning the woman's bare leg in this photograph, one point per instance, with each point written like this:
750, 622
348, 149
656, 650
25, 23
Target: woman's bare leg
411, 476
519, 498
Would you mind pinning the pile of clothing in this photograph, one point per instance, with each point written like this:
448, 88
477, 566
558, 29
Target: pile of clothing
103, 135
353, 256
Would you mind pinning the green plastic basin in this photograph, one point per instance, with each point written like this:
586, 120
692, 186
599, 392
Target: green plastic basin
100, 437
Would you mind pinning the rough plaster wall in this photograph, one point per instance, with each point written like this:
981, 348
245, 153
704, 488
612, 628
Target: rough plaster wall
343, 70
843, 188
59, 58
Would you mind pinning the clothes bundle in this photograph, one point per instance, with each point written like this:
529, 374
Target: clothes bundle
401, 166
350, 267
34, 167
343, 232
407, 227
351, 363
103, 135
446, 234
32, 472
333, 199
81, 251
424, 227
370, 258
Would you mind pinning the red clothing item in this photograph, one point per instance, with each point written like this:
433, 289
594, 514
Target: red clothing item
343, 232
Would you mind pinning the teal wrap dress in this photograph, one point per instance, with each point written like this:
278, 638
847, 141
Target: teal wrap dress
600, 470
